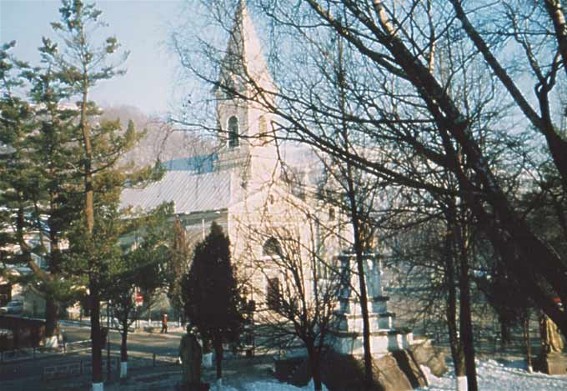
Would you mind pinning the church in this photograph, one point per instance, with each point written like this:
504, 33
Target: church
284, 239
243, 187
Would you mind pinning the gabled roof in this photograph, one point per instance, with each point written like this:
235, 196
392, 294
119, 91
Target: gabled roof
190, 192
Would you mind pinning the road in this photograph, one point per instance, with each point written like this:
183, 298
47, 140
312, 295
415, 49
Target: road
140, 344
161, 344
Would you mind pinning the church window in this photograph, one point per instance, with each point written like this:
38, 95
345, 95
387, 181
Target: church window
233, 136
272, 248
273, 294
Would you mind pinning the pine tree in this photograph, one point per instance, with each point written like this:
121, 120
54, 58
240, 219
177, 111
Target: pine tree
81, 63
38, 128
20, 180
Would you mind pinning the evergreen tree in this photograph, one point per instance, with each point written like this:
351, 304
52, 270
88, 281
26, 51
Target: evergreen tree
18, 182
212, 300
37, 176
81, 63
177, 266
56, 206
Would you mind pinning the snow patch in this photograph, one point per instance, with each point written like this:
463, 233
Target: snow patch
496, 376
267, 386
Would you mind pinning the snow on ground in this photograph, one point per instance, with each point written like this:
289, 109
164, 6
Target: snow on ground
266, 386
495, 376
492, 376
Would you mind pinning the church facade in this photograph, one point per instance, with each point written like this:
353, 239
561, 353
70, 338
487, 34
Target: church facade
243, 189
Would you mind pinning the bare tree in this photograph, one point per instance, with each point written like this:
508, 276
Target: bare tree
302, 287
391, 45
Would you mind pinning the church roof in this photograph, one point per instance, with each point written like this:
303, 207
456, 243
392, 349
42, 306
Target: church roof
190, 192
197, 164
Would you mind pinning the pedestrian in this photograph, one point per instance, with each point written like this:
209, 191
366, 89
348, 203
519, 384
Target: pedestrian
164, 323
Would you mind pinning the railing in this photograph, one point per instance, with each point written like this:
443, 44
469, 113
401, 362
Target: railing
8, 356
82, 366
76, 346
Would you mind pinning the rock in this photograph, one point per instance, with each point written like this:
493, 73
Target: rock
425, 354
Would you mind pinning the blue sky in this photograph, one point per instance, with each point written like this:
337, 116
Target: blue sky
143, 28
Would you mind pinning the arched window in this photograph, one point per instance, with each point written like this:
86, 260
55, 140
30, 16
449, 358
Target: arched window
233, 140
272, 248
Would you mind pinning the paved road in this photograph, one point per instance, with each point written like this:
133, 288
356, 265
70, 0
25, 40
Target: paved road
26, 375
161, 344
140, 345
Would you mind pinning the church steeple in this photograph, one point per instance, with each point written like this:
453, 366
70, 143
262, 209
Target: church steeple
243, 68
247, 143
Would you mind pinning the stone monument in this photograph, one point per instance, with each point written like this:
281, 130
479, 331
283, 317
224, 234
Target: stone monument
347, 336
396, 356
552, 360
190, 355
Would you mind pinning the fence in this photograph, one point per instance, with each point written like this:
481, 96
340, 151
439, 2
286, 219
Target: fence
83, 366
10, 356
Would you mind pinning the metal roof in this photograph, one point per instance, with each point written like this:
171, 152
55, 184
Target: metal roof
197, 164
190, 192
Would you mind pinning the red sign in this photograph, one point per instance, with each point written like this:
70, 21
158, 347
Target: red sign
139, 298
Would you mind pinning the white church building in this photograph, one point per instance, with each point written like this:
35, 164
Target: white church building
244, 190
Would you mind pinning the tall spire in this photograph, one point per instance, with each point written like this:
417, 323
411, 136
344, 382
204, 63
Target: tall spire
244, 64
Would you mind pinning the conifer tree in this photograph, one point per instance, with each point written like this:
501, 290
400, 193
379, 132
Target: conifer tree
18, 177
36, 176
81, 63
212, 300
56, 207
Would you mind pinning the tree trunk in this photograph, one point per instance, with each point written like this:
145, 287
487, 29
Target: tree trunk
358, 248
217, 342
124, 351
51, 316
465, 318
315, 364
96, 336
527, 340
505, 336
557, 15
457, 352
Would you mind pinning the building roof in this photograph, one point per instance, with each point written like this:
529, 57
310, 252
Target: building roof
188, 191
198, 164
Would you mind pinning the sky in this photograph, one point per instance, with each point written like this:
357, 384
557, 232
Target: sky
142, 26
